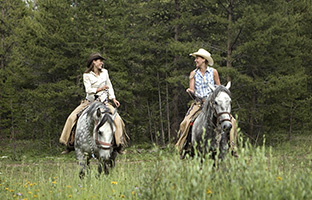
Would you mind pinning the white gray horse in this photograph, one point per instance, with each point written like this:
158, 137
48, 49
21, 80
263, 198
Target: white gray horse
215, 115
95, 137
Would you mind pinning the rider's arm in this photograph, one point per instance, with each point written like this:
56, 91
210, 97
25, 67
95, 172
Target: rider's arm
110, 87
216, 77
87, 84
191, 83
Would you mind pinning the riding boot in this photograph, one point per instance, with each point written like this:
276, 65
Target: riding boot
120, 149
67, 150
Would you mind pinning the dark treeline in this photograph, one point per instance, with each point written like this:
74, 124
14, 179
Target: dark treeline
263, 47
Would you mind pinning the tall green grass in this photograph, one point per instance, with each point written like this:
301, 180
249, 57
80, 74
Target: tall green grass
258, 173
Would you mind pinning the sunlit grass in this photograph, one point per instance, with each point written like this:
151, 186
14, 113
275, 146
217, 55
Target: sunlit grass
259, 173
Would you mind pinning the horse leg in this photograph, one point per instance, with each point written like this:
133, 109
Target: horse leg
83, 162
223, 145
192, 154
113, 157
105, 166
100, 168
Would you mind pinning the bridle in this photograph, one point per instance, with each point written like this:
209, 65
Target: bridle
218, 115
222, 113
100, 144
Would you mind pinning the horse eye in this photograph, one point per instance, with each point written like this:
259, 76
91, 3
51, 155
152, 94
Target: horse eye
216, 103
100, 132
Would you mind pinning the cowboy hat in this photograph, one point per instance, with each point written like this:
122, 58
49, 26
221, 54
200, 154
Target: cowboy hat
94, 56
205, 54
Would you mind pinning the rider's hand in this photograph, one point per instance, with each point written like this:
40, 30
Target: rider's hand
102, 88
117, 104
190, 91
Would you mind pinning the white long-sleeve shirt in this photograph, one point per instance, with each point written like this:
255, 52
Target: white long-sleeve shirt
91, 82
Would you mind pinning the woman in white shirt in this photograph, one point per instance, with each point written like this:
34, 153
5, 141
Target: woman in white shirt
97, 85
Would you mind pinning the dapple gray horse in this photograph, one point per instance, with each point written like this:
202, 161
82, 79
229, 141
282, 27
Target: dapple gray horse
94, 137
214, 115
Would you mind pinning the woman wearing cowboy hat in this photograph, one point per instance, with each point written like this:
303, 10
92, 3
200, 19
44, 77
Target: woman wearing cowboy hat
198, 87
97, 85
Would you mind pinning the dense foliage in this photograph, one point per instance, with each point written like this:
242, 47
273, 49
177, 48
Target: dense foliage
263, 47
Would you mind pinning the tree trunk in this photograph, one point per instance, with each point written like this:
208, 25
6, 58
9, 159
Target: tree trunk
229, 40
2, 42
252, 112
150, 121
160, 112
168, 109
290, 120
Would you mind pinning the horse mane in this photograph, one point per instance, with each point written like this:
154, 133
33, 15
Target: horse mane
213, 95
104, 119
93, 107
90, 111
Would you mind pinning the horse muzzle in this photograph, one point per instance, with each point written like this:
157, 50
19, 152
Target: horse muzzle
226, 126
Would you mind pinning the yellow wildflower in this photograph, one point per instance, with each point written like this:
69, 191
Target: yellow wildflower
122, 196
114, 182
279, 178
35, 196
208, 191
6, 188
54, 182
68, 186
70, 196
133, 192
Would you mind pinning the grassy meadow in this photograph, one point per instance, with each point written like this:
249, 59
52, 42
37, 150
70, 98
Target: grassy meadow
283, 171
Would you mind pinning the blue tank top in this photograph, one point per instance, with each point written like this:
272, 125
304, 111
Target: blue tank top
202, 89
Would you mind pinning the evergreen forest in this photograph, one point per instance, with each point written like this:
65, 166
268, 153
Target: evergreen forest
263, 47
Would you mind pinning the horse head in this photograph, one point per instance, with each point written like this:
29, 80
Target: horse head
104, 132
221, 101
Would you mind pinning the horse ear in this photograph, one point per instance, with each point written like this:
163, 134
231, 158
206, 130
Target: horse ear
228, 85
212, 87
